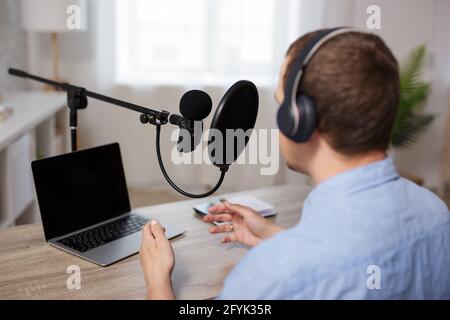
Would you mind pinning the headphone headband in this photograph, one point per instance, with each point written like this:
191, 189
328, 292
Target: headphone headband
305, 55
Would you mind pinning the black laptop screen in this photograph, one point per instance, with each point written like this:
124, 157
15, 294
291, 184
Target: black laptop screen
79, 189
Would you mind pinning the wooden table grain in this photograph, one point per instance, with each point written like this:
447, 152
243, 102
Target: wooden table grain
31, 269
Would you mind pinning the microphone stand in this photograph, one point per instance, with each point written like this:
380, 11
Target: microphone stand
77, 100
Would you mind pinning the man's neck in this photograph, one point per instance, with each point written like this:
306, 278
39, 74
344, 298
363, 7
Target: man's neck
332, 164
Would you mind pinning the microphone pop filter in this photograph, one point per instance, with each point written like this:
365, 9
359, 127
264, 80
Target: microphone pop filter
238, 109
195, 105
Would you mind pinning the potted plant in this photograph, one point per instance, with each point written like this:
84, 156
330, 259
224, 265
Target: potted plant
411, 120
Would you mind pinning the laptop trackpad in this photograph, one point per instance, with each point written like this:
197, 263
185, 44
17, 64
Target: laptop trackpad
115, 250
123, 247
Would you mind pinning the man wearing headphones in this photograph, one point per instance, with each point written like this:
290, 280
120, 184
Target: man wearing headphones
365, 232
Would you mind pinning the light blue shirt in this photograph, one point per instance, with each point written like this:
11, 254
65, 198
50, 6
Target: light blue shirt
364, 234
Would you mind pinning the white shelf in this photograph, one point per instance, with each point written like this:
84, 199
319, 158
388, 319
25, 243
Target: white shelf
38, 125
30, 108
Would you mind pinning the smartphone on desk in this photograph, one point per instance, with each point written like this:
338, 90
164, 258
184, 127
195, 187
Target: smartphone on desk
263, 208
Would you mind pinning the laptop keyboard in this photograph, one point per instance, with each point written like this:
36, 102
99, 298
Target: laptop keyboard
104, 233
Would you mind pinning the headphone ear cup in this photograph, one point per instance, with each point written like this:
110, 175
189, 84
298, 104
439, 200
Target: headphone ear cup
285, 119
307, 118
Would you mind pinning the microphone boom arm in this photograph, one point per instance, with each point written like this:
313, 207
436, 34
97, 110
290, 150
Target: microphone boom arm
67, 87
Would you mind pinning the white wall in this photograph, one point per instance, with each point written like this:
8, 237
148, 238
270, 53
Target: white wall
13, 46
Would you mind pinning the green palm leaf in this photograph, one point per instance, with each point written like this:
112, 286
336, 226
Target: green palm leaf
411, 121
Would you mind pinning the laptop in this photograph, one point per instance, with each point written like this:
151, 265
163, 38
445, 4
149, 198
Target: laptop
84, 204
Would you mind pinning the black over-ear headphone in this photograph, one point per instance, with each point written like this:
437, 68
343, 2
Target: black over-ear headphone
297, 115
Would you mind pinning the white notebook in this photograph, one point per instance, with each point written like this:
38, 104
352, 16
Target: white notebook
262, 207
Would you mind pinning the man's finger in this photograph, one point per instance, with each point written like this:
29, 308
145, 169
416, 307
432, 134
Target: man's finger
217, 217
147, 234
237, 208
217, 208
229, 238
222, 228
157, 230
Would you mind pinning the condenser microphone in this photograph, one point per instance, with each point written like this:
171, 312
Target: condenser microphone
195, 105
237, 111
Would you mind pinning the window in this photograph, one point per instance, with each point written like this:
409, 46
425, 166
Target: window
201, 41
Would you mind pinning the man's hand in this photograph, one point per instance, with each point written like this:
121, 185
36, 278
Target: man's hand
246, 225
157, 261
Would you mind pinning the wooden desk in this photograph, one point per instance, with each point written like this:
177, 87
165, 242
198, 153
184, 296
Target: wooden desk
31, 269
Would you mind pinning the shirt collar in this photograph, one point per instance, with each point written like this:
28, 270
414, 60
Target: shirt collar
353, 180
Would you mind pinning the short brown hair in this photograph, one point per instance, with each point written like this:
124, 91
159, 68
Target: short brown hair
354, 82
